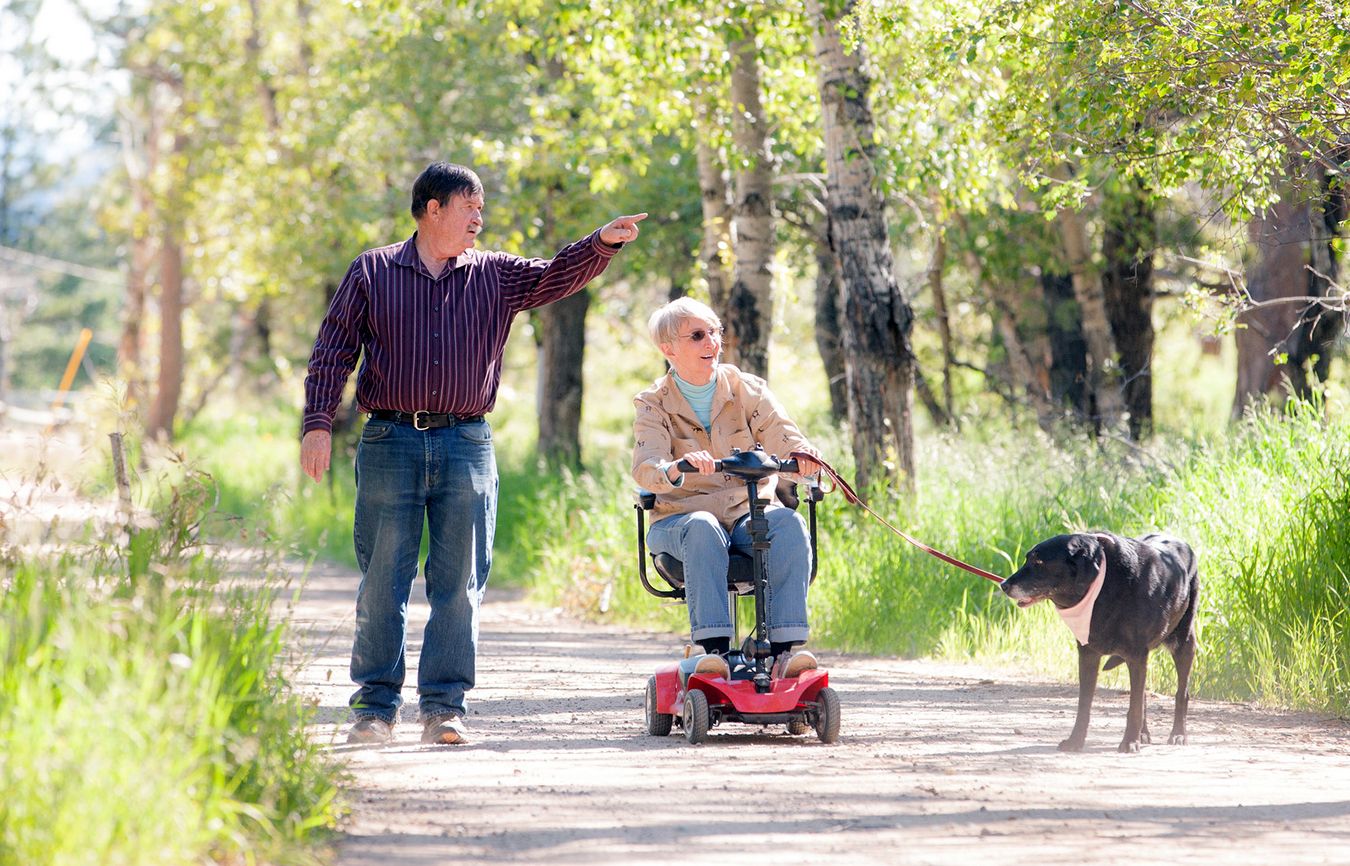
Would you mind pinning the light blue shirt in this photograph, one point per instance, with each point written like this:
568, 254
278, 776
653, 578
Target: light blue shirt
700, 397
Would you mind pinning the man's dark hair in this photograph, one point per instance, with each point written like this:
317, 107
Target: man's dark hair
440, 181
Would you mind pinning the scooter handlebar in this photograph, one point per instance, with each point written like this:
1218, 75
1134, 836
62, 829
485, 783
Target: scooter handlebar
686, 466
783, 466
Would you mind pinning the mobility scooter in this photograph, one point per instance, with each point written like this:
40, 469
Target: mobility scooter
700, 701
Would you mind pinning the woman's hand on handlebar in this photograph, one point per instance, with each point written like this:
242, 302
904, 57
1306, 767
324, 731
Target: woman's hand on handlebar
703, 462
807, 466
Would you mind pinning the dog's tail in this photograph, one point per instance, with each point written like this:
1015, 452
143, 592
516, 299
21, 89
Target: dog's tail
1113, 662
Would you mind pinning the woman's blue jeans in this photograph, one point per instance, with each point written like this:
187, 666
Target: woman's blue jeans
698, 540
446, 477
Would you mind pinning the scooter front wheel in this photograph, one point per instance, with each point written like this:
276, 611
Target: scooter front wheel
827, 715
695, 716
658, 723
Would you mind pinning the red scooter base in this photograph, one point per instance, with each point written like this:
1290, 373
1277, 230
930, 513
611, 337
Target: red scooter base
801, 703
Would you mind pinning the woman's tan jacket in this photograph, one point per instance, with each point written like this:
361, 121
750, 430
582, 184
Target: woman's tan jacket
744, 413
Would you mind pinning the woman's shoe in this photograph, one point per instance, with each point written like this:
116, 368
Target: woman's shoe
713, 665
791, 664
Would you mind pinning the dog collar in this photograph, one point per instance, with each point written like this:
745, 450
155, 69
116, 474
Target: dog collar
1079, 617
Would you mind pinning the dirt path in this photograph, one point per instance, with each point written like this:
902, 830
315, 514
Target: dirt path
937, 765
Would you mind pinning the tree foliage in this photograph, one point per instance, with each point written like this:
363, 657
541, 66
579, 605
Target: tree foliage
277, 140
1175, 90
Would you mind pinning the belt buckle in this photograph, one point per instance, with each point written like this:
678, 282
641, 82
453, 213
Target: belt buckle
421, 417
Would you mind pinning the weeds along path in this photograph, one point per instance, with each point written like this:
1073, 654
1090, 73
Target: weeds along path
937, 765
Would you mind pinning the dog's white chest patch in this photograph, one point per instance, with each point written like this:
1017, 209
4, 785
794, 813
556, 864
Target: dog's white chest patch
1079, 617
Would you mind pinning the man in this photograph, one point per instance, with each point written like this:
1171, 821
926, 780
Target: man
431, 316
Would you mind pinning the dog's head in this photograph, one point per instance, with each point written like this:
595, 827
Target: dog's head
1060, 569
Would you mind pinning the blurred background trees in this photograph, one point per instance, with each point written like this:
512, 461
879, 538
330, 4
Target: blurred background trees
990, 209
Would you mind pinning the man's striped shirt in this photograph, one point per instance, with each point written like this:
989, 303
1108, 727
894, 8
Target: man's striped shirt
433, 343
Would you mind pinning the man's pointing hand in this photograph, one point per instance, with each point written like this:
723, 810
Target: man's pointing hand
622, 229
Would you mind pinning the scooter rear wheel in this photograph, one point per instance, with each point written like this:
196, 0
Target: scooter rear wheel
658, 723
695, 716
827, 715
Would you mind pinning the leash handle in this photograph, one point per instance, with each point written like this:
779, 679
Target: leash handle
852, 496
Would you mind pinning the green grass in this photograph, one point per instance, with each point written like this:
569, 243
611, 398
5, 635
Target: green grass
145, 714
1267, 508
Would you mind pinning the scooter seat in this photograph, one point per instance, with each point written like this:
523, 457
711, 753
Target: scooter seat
740, 572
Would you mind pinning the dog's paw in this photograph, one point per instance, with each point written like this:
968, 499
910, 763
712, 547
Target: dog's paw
1129, 747
1176, 740
1071, 745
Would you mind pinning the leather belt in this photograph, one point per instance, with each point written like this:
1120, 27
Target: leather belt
423, 420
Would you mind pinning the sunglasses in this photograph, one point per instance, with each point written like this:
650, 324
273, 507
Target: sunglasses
699, 335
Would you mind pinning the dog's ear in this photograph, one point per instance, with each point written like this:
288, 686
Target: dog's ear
1085, 551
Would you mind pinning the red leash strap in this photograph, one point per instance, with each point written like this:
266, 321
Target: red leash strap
852, 496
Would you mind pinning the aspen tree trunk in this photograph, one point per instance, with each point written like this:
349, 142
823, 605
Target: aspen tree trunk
1026, 372
1022, 366
562, 349
1087, 289
561, 340
129, 362
1068, 372
1280, 235
560, 337
936, 265
169, 387
877, 317
715, 249
1127, 285
1289, 346
1314, 345
749, 310
140, 126
829, 342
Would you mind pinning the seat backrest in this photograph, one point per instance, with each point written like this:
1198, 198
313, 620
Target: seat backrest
740, 572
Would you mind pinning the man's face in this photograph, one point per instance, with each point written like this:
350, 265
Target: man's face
453, 227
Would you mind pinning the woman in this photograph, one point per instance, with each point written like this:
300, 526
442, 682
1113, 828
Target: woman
699, 412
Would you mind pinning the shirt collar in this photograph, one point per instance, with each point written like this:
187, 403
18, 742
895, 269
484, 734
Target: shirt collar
407, 257
698, 390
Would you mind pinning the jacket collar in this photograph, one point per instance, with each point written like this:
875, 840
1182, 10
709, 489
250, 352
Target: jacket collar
673, 401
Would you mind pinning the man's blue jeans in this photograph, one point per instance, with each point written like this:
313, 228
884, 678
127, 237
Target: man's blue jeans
447, 477
698, 540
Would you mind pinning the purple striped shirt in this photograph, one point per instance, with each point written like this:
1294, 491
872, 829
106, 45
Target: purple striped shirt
433, 343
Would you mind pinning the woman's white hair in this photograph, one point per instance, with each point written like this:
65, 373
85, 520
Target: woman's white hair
664, 325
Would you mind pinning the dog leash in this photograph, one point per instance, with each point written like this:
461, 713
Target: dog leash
852, 496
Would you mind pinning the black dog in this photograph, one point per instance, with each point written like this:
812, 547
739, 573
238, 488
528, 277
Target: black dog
1147, 595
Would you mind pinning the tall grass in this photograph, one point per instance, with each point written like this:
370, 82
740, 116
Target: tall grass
1263, 503
144, 712
1267, 508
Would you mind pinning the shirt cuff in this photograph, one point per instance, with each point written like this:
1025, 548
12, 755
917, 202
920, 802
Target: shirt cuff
665, 470
316, 421
602, 248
